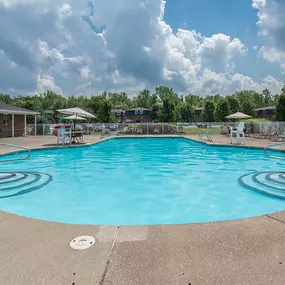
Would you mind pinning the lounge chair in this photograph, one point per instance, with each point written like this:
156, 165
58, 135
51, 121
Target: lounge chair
156, 131
174, 132
265, 133
269, 132
106, 133
122, 130
139, 131
276, 137
237, 134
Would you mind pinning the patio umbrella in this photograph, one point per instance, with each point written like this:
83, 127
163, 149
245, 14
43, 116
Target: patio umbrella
76, 111
238, 116
74, 118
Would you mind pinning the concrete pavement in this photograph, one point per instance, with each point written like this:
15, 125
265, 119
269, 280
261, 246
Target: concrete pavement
239, 252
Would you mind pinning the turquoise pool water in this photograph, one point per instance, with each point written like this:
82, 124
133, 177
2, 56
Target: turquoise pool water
137, 181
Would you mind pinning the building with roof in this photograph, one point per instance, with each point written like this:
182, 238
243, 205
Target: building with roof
198, 115
119, 114
265, 112
13, 120
138, 115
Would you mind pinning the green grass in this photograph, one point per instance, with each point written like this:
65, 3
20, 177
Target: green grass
196, 131
255, 120
96, 133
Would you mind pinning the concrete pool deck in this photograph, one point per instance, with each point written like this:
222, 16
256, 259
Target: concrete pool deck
240, 252
50, 141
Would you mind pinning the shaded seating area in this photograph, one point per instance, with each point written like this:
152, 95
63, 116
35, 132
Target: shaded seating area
63, 134
68, 135
237, 133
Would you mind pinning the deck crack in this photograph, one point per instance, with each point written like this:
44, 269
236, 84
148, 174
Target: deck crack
110, 255
280, 221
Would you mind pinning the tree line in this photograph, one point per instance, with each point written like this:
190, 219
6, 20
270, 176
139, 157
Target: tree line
166, 105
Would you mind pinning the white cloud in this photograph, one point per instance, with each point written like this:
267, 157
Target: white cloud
219, 49
213, 83
271, 21
125, 45
47, 83
273, 55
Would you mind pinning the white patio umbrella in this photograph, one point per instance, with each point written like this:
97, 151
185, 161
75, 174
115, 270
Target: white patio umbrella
75, 118
76, 111
238, 116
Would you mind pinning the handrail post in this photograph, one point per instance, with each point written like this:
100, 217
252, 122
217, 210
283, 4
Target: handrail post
35, 125
13, 125
16, 146
25, 127
273, 156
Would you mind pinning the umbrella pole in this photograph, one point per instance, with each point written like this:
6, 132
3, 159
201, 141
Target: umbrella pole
74, 122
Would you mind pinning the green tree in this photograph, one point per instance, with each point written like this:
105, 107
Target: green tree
280, 109
120, 100
144, 99
233, 104
248, 108
186, 112
208, 113
168, 111
256, 99
105, 112
163, 92
222, 110
77, 101
6, 98
194, 100
155, 111
268, 98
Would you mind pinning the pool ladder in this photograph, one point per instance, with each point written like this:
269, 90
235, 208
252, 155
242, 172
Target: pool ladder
18, 147
274, 156
269, 183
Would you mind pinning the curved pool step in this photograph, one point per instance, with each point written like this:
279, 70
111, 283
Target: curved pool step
271, 183
22, 182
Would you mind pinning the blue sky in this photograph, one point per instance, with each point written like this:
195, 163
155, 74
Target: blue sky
195, 46
236, 18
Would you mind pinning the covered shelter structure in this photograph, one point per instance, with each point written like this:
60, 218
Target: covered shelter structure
13, 120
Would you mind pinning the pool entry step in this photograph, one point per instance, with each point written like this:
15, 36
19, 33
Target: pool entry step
22, 182
270, 183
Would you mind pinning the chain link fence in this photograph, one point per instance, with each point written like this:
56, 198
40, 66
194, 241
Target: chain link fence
132, 128
158, 128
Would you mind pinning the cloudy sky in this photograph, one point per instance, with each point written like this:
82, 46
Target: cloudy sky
84, 47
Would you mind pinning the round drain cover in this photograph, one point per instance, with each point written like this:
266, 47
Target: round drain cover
81, 243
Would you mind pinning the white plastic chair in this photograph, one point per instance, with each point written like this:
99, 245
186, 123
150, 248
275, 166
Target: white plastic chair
63, 136
237, 134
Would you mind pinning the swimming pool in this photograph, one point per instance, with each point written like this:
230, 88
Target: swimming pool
137, 181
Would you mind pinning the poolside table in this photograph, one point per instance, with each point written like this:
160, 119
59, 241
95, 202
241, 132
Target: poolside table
77, 136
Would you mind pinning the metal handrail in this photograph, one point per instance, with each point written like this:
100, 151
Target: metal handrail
206, 133
273, 156
16, 146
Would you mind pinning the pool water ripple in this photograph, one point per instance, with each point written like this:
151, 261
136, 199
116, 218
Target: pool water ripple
143, 181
